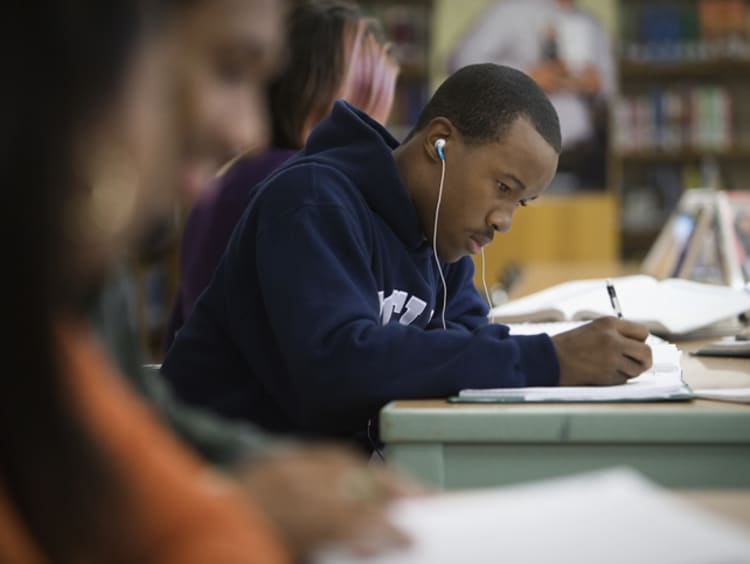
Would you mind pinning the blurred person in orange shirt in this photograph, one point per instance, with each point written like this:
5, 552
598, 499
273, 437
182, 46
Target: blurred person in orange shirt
88, 472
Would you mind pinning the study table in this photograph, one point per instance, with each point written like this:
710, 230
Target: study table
698, 444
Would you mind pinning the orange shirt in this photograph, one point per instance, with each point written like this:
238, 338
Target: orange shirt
181, 510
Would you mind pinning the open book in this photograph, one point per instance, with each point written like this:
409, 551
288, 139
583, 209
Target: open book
671, 307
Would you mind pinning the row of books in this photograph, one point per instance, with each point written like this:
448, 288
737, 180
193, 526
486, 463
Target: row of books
685, 31
406, 25
408, 101
698, 117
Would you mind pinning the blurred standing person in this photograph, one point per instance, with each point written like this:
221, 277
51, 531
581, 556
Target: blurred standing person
333, 52
569, 54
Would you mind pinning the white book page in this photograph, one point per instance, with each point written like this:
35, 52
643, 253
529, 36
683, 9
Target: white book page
683, 306
673, 307
613, 516
679, 306
632, 292
553, 298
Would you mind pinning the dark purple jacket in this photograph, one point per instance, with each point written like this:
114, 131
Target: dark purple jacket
209, 226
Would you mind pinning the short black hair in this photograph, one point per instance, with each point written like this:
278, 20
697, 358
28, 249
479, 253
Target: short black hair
482, 101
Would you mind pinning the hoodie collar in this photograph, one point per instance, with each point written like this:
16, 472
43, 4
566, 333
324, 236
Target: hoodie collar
361, 148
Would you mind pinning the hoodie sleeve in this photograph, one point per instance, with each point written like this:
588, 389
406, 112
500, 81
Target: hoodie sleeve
320, 294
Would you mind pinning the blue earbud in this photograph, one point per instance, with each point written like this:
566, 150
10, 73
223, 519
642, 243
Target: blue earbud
439, 144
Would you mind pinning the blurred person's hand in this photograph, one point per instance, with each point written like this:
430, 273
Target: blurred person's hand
327, 496
551, 76
587, 81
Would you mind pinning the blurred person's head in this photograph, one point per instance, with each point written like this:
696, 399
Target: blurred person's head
333, 52
92, 143
227, 51
82, 145
224, 53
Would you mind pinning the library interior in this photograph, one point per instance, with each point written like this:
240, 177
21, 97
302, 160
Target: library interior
255, 340
672, 115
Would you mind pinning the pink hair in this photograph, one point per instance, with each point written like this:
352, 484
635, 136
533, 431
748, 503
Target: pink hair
370, 79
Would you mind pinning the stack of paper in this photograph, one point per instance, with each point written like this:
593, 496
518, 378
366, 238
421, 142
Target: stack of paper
732, 395
728, 346
614, 516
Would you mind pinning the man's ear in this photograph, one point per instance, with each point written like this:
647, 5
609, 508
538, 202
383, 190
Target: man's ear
438, 128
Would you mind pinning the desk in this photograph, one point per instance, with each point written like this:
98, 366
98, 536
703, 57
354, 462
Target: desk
730, 504
686, 445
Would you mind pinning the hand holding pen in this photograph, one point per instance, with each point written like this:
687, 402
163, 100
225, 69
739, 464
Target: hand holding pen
604, 352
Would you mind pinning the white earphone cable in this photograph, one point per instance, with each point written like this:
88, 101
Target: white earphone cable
486, 291
434, 242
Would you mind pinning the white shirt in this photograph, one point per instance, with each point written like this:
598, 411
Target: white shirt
512, 34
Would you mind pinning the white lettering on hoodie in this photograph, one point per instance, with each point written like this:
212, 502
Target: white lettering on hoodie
397, 304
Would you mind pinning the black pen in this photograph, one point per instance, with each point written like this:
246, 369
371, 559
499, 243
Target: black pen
613, 298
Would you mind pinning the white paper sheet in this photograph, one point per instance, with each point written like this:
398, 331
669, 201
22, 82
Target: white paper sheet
613, 517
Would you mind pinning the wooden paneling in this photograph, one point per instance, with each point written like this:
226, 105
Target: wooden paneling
574, 228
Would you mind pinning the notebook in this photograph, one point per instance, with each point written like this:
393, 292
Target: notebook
662, 382
671, 307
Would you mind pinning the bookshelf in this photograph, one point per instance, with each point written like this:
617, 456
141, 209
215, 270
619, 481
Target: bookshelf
407, 24
682, 119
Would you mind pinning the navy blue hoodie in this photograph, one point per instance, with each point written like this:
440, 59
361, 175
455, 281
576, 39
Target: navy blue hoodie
324, 306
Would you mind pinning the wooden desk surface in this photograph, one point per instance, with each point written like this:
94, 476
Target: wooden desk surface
732, 504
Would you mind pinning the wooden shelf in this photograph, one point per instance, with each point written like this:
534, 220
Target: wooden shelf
574, 228
635, 243
724, 69
413, 72
657, 155
368, 3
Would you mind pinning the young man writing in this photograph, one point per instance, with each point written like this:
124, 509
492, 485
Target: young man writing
328, 302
